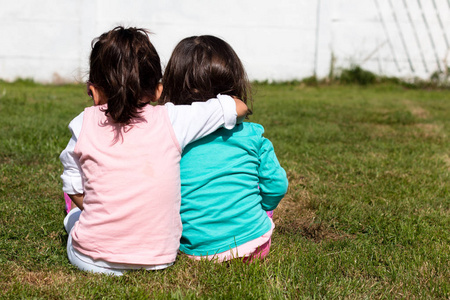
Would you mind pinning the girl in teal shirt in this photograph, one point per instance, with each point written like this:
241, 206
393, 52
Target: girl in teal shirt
231, 180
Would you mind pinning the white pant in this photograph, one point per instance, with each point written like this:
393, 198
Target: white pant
86, 263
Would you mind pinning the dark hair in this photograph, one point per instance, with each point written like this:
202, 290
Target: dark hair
202, 67
126, 68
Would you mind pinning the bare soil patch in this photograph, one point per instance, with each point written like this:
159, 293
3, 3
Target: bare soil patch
295, 214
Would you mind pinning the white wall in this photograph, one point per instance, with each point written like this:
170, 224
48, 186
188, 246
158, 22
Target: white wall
49, 40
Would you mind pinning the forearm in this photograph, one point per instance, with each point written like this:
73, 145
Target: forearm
77, 200
273, 189
271, 201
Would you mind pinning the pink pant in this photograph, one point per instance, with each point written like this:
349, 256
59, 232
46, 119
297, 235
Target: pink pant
68, 202
248, 252
260, 253
262, 250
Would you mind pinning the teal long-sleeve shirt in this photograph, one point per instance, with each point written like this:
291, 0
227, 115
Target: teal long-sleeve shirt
229, 180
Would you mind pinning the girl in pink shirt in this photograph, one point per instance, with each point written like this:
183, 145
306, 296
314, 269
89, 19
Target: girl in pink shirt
121, 165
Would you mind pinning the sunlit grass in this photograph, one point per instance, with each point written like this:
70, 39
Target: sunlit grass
366, 214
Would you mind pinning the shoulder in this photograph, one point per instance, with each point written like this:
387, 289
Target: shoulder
155, 109
88, 114
247, 130
174, 111
253, 128
76, 124
95, 108
77, 119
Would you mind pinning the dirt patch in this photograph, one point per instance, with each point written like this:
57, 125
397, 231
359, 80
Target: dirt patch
295, 219
295, 215
419, 112
13, 274
40, 278
6, 159
446, 159
381, 130
429, 130
416, 110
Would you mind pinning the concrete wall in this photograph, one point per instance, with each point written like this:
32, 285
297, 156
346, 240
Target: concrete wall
49, 40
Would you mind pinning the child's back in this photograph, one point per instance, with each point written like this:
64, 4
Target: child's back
224, 179
230, 178
132, 189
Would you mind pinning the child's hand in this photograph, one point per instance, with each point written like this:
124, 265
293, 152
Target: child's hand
241, 110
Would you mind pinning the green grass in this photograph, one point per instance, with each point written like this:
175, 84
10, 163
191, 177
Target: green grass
366, 215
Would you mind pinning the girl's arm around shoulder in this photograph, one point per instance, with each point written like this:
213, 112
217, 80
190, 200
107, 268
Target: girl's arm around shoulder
192, 122
273, 181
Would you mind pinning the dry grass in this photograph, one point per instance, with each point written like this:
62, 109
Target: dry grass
295, 214
416, 110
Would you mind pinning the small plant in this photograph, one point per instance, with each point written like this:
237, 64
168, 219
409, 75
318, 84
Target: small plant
441, 78
357, 75
311, 81
26, 81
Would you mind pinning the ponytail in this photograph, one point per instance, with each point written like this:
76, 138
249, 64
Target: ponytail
126, 68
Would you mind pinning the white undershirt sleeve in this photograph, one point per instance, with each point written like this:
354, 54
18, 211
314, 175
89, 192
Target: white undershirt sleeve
72, 175
192, 122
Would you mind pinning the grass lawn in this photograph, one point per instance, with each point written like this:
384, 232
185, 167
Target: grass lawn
367, 214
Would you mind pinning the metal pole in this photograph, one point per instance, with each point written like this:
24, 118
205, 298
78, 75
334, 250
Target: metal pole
387, 35
316, 53
419, 45
430, 36
402, 38
440, 23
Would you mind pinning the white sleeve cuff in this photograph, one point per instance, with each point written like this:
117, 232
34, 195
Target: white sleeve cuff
229, 110
72, 185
